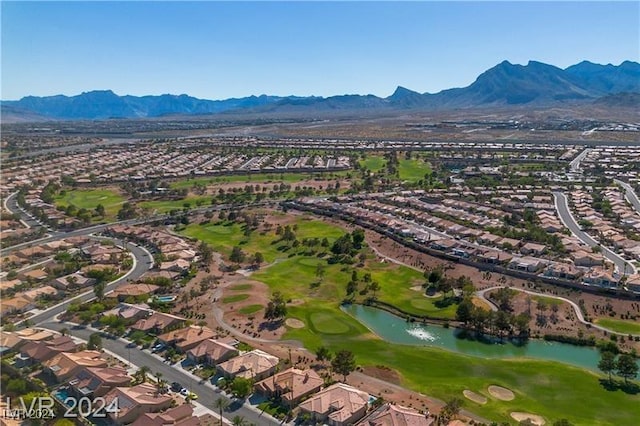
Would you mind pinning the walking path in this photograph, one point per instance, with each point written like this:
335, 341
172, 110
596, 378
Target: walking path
576, 308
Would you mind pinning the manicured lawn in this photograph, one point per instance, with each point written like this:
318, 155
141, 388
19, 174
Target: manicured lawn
621, 326
413, 170
235, 298
165, 206
89, 199
254, 178
223, 236
549, 301
241, 287
251, 309
551, 389
374, 163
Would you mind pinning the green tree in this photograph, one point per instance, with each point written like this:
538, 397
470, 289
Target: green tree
221, 404
95, 342
344, 363
358, 238
258, 259
453, 406
276, 308
100, 210
607, 363
627, 367
237, 255
238, 421
98, 290
206, 253
464, 312
241, 387
323, 354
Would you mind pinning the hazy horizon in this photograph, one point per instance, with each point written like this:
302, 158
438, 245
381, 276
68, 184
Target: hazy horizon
212, 50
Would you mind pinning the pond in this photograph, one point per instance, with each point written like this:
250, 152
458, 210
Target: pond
396, 330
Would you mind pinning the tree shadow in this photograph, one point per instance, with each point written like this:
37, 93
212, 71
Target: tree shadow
614, 386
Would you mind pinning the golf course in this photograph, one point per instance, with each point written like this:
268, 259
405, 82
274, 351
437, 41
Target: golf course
550, 389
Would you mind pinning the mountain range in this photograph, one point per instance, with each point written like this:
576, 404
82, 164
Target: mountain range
506, 84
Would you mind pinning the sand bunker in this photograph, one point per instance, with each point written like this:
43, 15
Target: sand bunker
501, 393
294, 323
536, 419
475, 397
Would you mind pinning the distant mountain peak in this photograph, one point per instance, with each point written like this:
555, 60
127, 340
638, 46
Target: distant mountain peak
535, 83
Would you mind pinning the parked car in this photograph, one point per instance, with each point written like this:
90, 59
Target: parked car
176, 387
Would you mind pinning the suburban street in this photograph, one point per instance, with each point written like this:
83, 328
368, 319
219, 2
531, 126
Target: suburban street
207, 394
630, 194
575, 163
562, 207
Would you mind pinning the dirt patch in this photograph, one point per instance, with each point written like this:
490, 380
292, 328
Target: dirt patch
382, 373
501, 393
536, 419
294, 323
475, 397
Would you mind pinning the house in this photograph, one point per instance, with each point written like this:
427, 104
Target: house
35, 274
494, 257
633, 283
93, 382
563, 270
39, 292
15, 305
532, 248
66, 365
158, 323
131, 313
72, 280
182, 415
180, 265
292, 385
582, 258
187, 338
133, 290
601, 278
133, 402
396, 415
211, 352
9, 341
254, 365
526, 264
337, 405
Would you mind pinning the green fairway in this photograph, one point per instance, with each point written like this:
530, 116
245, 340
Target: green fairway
241, 287
374, 163
413, 170
550, 389
165, 206
327, 323
255, 178
251, 309
89, 199
223, 236
621, 326
235, 298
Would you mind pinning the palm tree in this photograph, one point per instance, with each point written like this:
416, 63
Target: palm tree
221, 404
141, 374
159, 382
238, 421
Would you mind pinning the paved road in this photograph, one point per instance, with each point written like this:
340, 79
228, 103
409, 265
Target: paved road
576, 308
207, 394
630, 194
142, 263
575, 163
562, 207
11, 204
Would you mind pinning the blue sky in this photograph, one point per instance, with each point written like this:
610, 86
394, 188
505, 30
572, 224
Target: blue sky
218, 50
